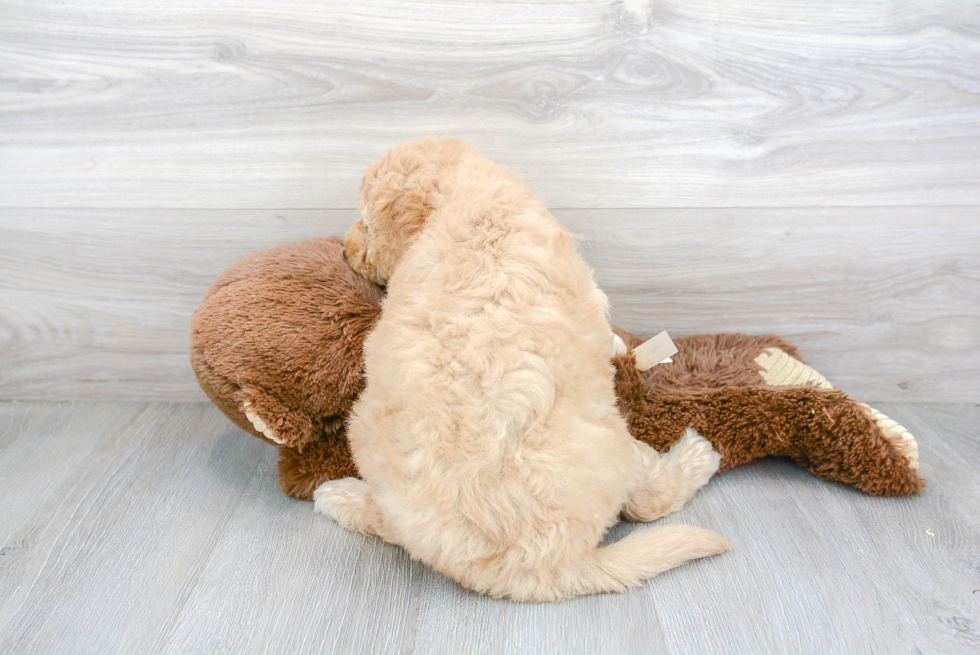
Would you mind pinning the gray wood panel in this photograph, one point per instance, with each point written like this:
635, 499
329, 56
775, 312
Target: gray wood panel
263, 104
159, 528
109, 514
96, 304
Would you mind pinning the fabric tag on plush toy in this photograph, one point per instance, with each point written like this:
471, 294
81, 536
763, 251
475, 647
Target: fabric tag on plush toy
654, 351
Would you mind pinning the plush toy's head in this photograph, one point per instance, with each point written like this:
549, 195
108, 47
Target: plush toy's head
398, 193
276, 342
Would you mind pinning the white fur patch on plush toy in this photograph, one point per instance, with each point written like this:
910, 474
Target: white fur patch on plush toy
779, 369
901, 438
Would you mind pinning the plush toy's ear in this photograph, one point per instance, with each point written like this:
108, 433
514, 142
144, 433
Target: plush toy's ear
276, 421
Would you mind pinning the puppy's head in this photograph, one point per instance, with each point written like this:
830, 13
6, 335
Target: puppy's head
398, 193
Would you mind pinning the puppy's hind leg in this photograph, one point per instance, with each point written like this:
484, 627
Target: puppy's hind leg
670, 479
349, 502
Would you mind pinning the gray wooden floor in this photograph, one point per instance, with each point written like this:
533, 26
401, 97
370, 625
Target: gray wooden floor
159, 527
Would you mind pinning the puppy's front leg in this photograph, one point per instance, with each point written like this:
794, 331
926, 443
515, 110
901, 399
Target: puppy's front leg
670, 479
349, 502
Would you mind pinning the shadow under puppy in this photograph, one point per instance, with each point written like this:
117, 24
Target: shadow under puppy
488, 435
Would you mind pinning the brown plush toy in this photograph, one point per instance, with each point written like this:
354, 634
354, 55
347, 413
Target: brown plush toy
276, 344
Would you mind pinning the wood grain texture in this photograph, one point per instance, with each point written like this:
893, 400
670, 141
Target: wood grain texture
677, 103
110, 515
159, 528
885, 302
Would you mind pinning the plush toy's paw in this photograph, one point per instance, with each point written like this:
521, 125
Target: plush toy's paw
348, 502
900, 438
780, 369
618, 345
261, 425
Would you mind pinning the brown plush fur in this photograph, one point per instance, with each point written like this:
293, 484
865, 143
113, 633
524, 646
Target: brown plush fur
714, 386
283, 329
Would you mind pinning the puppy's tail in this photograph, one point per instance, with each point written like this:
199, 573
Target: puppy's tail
640, 555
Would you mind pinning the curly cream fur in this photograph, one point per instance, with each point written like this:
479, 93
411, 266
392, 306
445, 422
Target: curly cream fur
488, 435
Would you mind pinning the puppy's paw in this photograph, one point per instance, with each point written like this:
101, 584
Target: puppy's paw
669, 480
618, 345
348, 502
327, 497
695, 454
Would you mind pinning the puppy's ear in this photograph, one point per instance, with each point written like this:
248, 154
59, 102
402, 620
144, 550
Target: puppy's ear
413, 208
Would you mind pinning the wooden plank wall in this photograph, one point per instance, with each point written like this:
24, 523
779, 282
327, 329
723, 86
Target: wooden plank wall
806, 168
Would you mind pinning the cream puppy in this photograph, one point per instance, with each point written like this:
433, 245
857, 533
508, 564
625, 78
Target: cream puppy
488, 436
